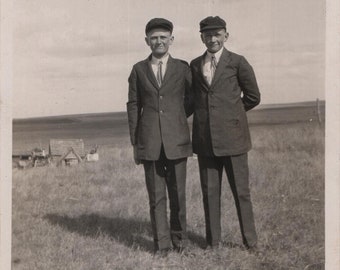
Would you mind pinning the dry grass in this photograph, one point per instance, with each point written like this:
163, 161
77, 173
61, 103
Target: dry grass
96, 216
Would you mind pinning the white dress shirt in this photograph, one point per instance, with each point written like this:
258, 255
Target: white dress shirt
155, 61
206, 66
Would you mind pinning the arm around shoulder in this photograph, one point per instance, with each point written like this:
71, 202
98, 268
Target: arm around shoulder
247, 81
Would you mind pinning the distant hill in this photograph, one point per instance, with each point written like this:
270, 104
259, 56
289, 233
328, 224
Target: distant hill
288, 113
122, 115
290, 105
112, 127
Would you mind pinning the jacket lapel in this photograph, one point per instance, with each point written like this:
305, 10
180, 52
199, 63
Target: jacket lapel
170, 70
149, 72
224, 61
199, 70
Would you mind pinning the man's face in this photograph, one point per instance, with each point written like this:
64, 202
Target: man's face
159, 41
214, 39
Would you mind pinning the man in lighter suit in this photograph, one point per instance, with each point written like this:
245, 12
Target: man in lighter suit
225, 87
159, 89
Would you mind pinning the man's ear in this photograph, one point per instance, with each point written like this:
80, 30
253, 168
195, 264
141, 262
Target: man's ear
202, 38
147, 41
172, 38
226, 36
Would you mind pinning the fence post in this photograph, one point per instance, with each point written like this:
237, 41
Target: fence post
318, 110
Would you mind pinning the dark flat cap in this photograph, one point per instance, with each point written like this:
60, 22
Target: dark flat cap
158, 23
211, 22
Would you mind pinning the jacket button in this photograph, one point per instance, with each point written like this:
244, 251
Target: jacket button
161, 111
160, 97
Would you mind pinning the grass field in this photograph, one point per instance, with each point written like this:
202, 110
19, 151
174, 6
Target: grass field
96, 215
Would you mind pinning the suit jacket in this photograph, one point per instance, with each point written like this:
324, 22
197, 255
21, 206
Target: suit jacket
220, 125
156, 114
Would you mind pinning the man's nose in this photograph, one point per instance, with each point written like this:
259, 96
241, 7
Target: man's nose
159, 40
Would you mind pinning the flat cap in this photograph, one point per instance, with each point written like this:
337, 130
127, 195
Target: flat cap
211, 22
158, 23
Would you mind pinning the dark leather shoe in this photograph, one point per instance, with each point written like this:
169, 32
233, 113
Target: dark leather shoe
184, 251
179, 247
254, 250
162, 253
213, 247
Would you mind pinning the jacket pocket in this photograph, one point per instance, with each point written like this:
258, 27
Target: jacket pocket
233, 123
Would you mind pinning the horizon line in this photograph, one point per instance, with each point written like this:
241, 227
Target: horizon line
259, 107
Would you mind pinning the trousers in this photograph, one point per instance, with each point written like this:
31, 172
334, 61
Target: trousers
236, 168
161, 175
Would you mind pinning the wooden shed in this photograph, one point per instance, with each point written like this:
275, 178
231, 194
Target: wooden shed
70, 151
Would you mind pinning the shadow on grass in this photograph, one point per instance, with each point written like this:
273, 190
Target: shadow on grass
126, 231
130, 232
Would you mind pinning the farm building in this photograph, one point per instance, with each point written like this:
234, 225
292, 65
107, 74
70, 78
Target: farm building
68, 151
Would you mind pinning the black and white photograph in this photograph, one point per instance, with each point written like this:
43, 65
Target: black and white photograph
197, 134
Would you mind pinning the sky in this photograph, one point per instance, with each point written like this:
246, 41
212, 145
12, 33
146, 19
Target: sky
75, 56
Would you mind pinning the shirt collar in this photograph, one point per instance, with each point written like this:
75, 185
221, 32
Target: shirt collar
217, 54
164, 59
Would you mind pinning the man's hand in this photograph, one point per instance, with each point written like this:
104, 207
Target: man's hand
137, 161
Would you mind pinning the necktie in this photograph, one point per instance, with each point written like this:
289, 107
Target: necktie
213, 66
159, 73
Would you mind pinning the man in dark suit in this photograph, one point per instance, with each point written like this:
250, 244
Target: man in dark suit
224, 88
159, 89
